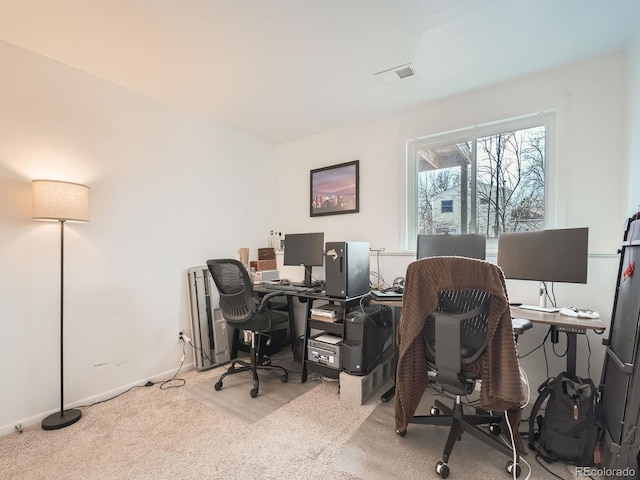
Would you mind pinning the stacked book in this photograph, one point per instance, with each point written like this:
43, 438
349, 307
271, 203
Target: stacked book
327, 313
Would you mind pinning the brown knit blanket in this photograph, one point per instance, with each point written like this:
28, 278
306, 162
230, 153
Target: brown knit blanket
498, 367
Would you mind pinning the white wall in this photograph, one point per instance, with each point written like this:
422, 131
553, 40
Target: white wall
634, 127
168, 190
590, 103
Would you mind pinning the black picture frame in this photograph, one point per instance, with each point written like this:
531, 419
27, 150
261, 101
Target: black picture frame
335, 190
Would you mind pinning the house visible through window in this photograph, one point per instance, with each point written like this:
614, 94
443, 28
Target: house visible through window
495, 174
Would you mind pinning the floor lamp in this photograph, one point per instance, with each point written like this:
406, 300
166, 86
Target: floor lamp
62, 202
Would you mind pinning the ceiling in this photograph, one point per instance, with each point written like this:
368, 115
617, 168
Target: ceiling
286, 69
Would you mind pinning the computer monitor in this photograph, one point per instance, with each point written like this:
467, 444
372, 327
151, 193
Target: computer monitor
545, 256
306, 249
467, 245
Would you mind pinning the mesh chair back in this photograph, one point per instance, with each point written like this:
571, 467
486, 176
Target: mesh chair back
234, 287
456, 334
470, 308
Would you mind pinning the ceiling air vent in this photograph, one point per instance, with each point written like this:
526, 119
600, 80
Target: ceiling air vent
396, 73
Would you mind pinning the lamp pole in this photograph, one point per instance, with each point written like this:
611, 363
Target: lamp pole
62, 418
62, 317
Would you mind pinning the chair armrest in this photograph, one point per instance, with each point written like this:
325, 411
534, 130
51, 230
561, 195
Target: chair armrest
520, 325
265, 300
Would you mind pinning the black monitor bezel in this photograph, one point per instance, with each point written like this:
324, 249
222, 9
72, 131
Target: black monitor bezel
307, 250
556, 255
312, 256
470, 245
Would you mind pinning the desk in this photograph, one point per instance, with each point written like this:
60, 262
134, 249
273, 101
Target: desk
572, 326
308, 297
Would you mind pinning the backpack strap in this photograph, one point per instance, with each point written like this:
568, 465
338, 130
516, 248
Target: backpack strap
544, 391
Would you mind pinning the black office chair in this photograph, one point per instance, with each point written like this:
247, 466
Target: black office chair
243, 310
454, 337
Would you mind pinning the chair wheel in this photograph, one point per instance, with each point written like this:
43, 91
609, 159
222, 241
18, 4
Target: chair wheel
435, 411
254, 392
495, 429
285, 377
401, 433
510, 466
442, 469
218, 386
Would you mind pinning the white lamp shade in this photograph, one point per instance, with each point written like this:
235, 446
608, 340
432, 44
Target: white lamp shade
55, 200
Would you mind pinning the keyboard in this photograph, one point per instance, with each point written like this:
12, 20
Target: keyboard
288, 288
540, 309
386, 295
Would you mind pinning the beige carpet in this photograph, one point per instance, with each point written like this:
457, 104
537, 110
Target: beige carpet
156, 434
416, 454
234, 400
150, 433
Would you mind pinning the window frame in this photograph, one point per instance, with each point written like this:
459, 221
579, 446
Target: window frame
546, 119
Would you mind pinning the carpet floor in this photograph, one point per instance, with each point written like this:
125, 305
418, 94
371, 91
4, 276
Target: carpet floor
292, 430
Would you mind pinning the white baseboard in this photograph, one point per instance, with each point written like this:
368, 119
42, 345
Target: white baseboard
26, 422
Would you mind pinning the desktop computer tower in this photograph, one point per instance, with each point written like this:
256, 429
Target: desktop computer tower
346, 269
367, 337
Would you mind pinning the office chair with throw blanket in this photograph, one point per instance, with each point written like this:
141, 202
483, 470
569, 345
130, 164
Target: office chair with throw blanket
243, 310
456, 324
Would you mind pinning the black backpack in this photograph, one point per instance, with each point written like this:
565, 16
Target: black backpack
571, 429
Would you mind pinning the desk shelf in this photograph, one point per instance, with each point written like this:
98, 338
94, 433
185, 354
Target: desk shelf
335, 328
323, 370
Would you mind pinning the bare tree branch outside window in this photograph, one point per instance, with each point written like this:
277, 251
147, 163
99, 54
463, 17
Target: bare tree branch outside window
505, 195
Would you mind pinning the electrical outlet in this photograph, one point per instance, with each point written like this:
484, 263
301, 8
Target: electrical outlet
180, 335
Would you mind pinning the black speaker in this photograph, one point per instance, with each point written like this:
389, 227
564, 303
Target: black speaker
346, 269
367, 335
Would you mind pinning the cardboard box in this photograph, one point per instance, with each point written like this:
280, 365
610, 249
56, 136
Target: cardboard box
266, 254
260, 265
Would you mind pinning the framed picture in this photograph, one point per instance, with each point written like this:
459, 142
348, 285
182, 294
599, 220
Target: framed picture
335, 189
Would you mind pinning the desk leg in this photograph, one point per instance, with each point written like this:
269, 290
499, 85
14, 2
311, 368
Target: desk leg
388, 395
395, 318
572, 341
292, 323
303, 370
234, 343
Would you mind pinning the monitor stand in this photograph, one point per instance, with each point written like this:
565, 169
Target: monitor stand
542, 301
307, 277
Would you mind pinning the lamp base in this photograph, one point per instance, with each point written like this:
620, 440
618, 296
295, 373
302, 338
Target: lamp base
61, 419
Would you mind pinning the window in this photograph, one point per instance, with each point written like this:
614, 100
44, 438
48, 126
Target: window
487, 179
